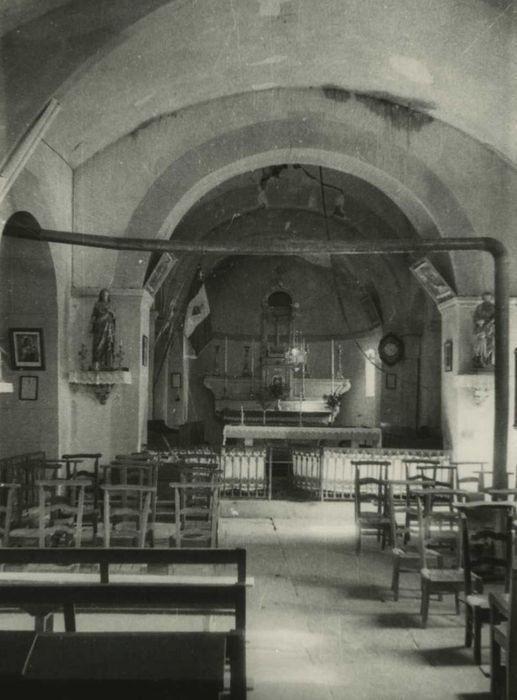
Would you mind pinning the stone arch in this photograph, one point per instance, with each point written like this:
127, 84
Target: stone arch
428, 203
28, 300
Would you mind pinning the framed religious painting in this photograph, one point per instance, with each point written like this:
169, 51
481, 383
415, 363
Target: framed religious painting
160, 272
432, 281
27, 350
28, 390
175, 380
447, 356
145, 350
391, 380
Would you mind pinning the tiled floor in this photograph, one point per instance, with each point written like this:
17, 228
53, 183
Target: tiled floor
322, 623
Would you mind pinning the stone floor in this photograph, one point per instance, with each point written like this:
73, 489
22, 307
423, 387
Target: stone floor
322, 623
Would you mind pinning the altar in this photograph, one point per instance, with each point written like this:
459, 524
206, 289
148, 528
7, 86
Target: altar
354, 437
277, 384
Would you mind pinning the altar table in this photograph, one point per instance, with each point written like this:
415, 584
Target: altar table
356, 437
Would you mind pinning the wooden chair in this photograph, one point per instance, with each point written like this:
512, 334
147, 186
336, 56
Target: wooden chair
443, 479
487, 561
414, 485
440, 539
134, 472
413, 466
509, 494
7, 505
469, 478
370, 500
404, 538
27, 473
181, 472
87, 465
127, 513
58, 518
503, 638
196, 513
405, 554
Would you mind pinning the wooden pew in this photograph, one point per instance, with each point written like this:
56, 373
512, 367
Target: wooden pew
139, 593
104, 558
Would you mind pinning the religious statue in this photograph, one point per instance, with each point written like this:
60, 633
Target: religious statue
102, 326
484, 329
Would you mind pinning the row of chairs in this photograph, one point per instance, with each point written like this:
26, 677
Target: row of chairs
458, 545
61, 510
449, 484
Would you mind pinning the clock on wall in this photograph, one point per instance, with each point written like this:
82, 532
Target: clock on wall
391, 349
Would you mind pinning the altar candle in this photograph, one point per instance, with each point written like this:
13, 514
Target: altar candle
332, 362
242, 415
303, 376
252, 361
225, 365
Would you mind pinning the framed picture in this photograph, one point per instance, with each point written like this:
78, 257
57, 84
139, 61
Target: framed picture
175, 380
28, 390
145, 350
391, 380
27, 351
432, 281
160, 272
447, 356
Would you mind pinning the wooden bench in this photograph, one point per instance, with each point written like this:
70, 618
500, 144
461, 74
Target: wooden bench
137, 593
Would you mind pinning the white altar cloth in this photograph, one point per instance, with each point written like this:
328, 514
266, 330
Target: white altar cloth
358, 436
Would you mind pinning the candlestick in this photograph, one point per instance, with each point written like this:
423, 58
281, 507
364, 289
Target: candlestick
303, 377
225, 390
332, 362
242, 415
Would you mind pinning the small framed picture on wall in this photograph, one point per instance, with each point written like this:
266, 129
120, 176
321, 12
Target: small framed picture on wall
447, 356
391, 380
28, 389
27, 351
145, 350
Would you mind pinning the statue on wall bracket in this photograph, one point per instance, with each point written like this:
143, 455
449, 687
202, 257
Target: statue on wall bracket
484, 332
102, 328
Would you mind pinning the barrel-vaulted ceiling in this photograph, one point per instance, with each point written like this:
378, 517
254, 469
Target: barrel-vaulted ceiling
116, 65
132, 73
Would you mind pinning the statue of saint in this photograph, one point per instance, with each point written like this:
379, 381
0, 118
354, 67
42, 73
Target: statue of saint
484, 331
102, 326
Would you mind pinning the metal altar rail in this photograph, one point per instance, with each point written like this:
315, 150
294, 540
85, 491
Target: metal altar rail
328, 473
246, 472
324, 473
